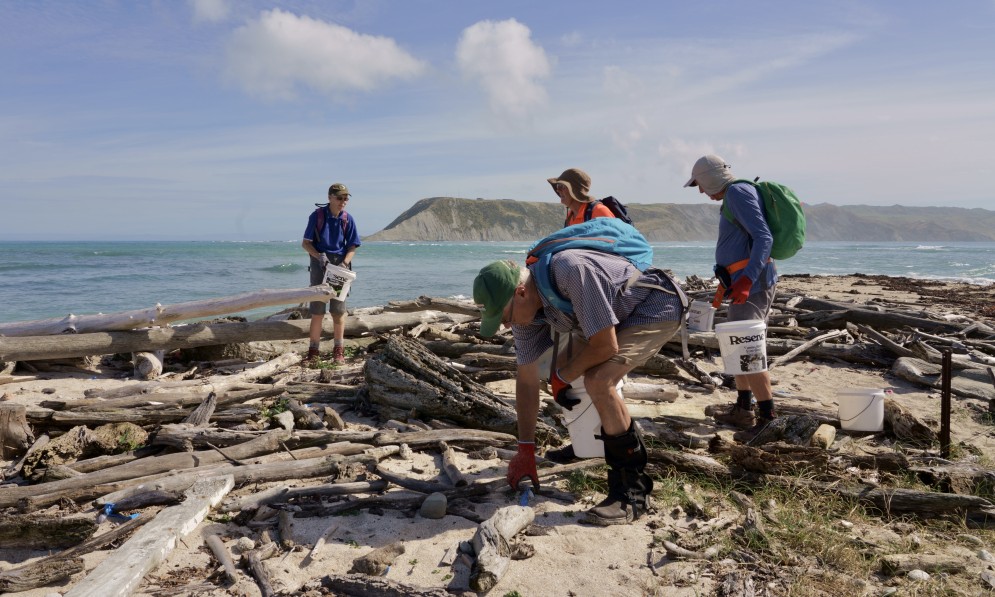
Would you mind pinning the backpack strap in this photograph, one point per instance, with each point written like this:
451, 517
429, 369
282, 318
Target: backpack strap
542, 275
589, 210
319, 222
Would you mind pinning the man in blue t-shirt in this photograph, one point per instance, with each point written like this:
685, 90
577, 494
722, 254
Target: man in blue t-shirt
742, 255
330, 238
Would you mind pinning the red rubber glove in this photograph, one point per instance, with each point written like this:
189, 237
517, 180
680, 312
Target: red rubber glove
559, 389
524, 465
740, 290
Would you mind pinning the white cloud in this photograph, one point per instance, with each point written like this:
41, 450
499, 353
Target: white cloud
210, 11
279, 52
503, 59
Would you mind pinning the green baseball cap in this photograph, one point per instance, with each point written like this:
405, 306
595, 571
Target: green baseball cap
338, 189
493, 288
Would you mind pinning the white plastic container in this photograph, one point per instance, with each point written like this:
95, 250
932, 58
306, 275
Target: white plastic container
861, 409
701, 315
340, 279
743, 345
584, 422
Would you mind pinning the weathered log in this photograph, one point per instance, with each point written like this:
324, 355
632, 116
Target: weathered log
60, 566
490, 544
970, 383
284, 494
254, 559
35, 575
866, 354
903, 563
201, 415
687, 462
319, 543
148, 365
377, 561
221, 554
64, 449
449, 466
361, 585
893, 500
906, 426
15, 435
15, 468
860, 314
162, 315
304, 418
35, 532
146, 466
961, 477
806, 345
793, 429
424, 303
407, 377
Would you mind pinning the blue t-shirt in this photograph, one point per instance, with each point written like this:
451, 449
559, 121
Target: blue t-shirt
735, 244
335, 239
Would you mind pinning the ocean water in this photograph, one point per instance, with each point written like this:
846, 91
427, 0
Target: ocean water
41, 280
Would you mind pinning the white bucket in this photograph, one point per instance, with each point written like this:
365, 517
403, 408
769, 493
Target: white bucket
340, 279
584, 422
701, 314
743, 345
861, 409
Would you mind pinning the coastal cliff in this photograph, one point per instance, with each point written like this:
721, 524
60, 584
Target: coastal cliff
454, 219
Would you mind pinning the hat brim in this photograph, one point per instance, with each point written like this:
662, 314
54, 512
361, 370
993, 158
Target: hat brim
691, 182
490, 323
583, 199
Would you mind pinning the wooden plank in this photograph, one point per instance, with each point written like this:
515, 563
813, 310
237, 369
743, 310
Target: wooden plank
123, 571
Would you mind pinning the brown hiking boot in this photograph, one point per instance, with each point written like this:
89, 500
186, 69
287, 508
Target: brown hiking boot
338, 355
747, 435
736, 417
312, 356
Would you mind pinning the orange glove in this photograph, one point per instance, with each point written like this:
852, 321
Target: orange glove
740, 290
559, 389
524, 465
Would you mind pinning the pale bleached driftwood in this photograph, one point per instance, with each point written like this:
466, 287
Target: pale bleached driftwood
283, 494
490, 544
376, 562
15, 435
361, 585
148, 365
806, 345
15, 468
201, 415
903, 563
423, 303
221, 554
163, 314
319, 543
449, 467
885, 341
122, 572
146, 466
905, 426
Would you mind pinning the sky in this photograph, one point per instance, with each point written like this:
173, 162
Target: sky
228, 120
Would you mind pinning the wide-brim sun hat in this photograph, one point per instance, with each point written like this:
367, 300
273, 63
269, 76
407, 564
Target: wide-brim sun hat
578, 184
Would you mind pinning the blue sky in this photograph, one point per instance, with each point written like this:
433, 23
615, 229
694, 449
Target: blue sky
227, 120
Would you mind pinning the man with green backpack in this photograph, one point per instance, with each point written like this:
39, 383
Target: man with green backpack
760, 222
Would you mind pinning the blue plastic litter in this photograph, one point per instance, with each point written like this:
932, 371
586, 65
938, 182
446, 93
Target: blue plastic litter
108, 513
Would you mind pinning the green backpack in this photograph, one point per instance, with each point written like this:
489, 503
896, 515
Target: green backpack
785, 217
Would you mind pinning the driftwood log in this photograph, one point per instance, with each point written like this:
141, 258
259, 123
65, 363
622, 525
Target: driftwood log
491, 544
15, 434
408, 379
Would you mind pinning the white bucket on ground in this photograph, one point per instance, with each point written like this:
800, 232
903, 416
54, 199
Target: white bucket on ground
743, 345
584, 422
339, 278
701, 315
861, 409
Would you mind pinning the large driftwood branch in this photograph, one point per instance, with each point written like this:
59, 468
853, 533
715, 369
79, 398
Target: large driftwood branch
490, 543
164, 314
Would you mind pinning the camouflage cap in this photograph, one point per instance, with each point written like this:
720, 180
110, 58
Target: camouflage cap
339, 189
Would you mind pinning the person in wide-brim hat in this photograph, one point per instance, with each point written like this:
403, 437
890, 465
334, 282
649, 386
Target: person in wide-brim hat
573, 187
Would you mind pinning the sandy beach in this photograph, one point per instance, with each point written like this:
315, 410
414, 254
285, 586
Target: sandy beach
574, 559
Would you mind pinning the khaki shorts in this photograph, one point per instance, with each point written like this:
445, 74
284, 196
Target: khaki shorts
638, 343
318, 307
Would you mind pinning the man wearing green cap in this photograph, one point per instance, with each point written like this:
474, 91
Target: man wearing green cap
623, 317
331, 237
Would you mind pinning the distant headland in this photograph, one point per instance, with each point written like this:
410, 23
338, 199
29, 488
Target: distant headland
455, 219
